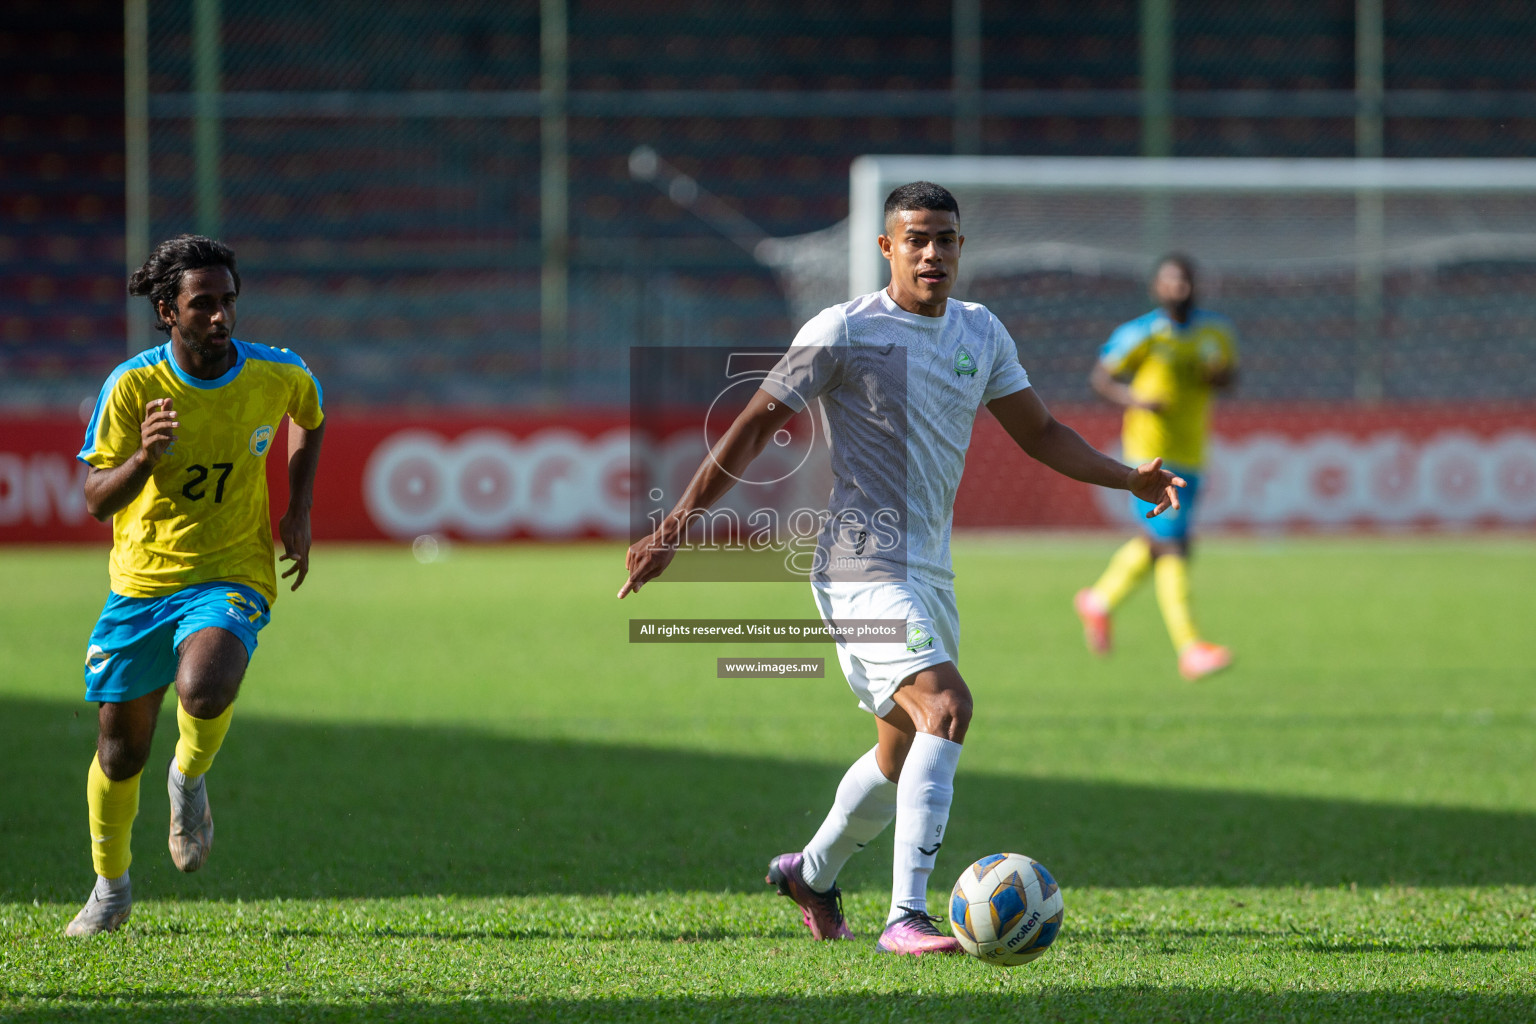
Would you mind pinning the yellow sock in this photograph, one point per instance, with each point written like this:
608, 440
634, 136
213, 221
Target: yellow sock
113, 806
1172, 576
1126, 568
200, 740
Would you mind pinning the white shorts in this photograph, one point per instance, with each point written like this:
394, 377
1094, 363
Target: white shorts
874, 671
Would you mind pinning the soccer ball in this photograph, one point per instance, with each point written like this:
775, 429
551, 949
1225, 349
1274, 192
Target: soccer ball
1005, 909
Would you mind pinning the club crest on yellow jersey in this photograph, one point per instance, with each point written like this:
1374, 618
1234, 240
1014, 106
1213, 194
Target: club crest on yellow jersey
261, 440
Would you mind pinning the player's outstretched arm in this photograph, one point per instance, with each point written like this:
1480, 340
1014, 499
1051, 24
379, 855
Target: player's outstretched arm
293, 528
109, 491
733, 453
1047, 440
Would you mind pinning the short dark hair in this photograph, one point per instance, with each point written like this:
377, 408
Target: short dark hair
1183, 260
160, 276
920, 195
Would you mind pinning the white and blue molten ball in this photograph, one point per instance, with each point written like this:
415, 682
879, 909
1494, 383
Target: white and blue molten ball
1005, 909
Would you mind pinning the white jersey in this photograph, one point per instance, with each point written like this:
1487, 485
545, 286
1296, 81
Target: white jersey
899, 394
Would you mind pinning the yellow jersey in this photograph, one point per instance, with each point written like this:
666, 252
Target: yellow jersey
1167, 363
203, 515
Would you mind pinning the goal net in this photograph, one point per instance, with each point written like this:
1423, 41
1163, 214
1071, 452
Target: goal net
1396, 280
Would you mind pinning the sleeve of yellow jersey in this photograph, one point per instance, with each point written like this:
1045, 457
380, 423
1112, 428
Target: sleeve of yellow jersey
1126, 348
114, 433
306, 402
1225, 356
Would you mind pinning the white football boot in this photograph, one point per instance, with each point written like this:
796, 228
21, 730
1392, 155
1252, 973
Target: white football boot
106, 910
191, 819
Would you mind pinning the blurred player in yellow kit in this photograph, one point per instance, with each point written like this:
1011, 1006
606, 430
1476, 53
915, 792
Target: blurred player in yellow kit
178, 447
1162, 369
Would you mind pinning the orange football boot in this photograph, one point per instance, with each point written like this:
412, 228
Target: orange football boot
1090, 608
1201, 658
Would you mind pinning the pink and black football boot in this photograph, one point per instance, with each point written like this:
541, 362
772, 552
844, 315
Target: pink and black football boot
915, 933
823, 911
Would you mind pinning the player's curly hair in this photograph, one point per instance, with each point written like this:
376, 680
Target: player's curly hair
920, 195
160, 276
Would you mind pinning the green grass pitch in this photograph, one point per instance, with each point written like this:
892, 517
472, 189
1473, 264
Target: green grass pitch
454, 792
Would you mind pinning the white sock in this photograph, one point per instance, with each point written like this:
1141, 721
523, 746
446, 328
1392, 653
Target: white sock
109, 887
865, 804
922, 810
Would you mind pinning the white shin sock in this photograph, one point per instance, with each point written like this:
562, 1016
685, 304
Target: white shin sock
922, 810
865, 804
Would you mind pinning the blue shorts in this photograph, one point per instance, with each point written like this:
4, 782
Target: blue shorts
1173, 524
133, 649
